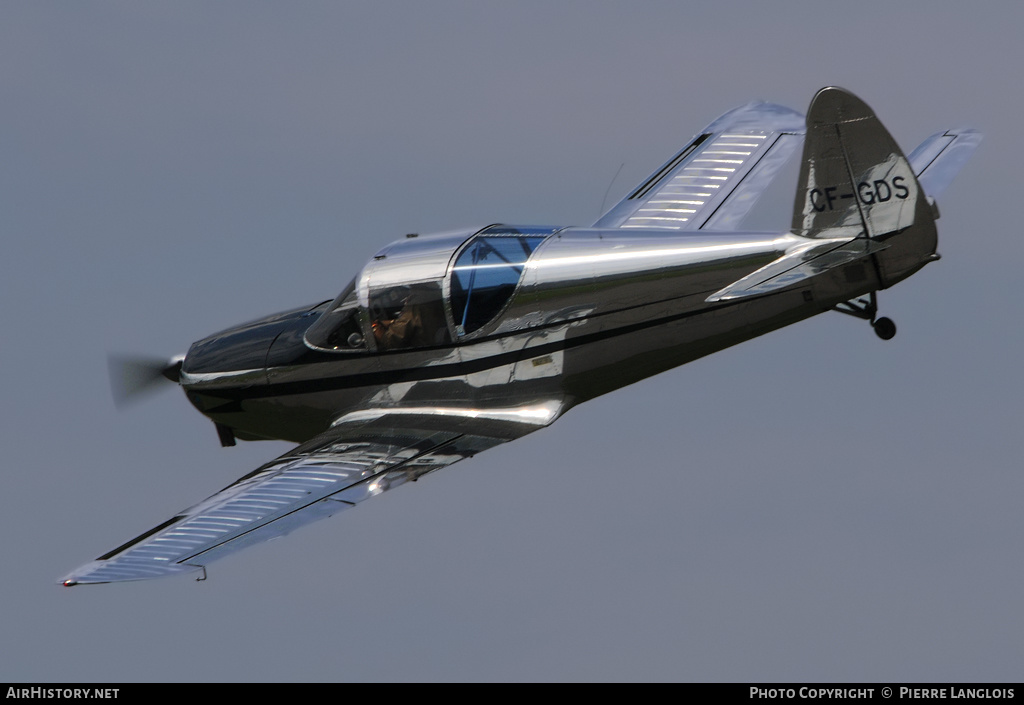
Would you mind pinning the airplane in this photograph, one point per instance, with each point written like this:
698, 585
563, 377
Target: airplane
444, 346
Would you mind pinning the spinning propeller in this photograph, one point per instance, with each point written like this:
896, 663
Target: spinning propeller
131, 378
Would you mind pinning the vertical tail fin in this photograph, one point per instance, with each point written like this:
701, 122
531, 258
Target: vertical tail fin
860, 202
854, 179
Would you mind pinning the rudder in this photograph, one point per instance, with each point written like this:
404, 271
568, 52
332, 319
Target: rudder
854, 179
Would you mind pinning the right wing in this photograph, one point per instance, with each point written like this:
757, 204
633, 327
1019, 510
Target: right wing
717, 178
714, 181
364, 454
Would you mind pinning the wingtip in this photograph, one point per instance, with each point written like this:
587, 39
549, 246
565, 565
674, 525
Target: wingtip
69, 580
759, 114
81, 575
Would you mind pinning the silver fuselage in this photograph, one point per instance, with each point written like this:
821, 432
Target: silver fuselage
594, 310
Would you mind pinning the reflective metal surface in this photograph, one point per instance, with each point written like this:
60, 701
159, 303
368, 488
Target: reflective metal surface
855, 181
445, 346
941, 157
715, 180
317, 480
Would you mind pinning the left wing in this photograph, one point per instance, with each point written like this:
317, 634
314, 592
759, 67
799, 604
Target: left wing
716, 179
361, 456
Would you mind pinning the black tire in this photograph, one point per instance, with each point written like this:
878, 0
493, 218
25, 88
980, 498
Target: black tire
885, 328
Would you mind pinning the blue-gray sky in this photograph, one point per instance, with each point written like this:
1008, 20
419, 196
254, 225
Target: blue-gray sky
812, 505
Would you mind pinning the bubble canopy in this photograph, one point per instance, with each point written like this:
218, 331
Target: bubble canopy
486, 272
428, 291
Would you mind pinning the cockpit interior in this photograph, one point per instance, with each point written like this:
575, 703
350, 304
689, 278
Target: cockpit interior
450, 287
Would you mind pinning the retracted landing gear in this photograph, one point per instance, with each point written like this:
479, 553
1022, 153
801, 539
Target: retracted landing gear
867, 309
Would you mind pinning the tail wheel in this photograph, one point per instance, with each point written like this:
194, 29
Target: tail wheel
867, 309
884, 328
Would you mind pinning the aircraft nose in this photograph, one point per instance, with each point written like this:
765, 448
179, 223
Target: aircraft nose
228, 355
237, 355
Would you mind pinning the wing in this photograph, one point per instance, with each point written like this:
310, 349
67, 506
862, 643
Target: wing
361, 456
716, 179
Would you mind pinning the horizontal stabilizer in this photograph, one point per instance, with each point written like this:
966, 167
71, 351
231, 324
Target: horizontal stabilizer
941, 157
807, 261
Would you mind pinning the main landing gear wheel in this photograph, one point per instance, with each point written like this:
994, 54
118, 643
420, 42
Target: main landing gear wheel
884, 328
867, 309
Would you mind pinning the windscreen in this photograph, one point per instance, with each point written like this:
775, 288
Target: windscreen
339, 329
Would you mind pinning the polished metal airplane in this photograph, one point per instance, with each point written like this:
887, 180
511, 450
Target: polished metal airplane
445, 346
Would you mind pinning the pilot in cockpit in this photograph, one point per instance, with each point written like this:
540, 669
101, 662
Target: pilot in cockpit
396, 321
408, 317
